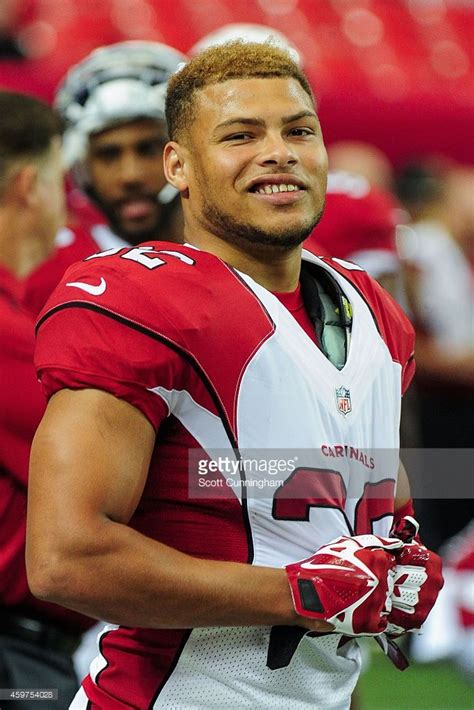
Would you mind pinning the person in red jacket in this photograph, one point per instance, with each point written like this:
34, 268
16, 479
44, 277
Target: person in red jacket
36, 638
113, 105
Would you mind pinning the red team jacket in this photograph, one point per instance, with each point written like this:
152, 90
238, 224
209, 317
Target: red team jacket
218, 364
22, 405
358, 223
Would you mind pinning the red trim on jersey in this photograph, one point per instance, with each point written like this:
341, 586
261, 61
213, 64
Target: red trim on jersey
140, 661
135, 671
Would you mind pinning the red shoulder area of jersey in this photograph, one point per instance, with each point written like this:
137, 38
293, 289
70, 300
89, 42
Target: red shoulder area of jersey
392, 323
187, 299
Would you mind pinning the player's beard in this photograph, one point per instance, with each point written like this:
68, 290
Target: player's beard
251, 237
135, 236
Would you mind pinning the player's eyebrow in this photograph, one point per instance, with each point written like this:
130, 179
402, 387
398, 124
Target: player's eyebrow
297, 116
255, 121
241, 120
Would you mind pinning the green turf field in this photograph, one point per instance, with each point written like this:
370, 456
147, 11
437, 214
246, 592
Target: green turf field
437, 686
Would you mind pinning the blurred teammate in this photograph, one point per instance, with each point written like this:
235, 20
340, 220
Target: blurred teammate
359, 224
435, 248
441, 290
36, 638
362, 159
113, 106
228, 344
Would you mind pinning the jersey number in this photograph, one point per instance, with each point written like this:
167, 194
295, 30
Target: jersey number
146, 256
308, 488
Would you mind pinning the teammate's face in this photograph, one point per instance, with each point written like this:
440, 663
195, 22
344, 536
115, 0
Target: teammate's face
257, 163
125, 167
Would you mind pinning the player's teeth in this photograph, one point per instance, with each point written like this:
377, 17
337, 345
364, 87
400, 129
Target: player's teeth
271, 189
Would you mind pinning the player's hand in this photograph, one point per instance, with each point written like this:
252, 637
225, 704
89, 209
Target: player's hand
417, 583
347, 583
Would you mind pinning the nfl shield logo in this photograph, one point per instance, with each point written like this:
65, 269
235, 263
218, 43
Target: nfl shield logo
343, 400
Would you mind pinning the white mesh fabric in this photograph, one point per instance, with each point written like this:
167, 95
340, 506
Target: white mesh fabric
226, 668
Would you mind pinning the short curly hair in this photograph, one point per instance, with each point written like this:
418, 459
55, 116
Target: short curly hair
27, 128
233, 60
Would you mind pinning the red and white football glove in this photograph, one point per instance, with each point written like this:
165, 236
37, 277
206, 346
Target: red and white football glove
417, 583
348, 583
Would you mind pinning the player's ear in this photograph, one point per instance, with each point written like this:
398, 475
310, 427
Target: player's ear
23, 184
175, 163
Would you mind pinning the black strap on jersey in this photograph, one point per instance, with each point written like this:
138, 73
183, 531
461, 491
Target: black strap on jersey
330, 311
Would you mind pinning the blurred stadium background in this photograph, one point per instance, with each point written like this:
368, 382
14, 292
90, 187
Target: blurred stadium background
394, 73
397, 73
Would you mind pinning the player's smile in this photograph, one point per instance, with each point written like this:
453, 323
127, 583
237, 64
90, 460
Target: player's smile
278, 189
256, 170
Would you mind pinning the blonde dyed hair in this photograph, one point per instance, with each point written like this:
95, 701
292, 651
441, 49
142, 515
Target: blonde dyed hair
233, 60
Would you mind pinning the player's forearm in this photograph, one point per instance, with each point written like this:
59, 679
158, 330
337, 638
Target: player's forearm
134, 581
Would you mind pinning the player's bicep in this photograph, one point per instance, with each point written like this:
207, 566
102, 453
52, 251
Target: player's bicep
89, 460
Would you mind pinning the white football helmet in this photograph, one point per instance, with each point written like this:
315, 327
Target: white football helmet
115, 84
248, 32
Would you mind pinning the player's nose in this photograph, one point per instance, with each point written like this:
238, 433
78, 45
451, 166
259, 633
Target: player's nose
131, 169
277, 151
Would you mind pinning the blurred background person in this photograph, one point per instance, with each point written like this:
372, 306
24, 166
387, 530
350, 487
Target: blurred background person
359, 224
113, 107
435, 247
36, 638
362, 213
362, 159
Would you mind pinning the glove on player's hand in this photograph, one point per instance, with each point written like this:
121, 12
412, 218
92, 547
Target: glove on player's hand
347, 583
417, 583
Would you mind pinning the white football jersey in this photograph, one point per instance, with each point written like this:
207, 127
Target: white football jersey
226, 374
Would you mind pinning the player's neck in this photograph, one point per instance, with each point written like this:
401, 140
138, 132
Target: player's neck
21, 249
273, 268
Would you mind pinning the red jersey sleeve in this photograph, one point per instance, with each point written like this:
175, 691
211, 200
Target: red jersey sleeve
79, 347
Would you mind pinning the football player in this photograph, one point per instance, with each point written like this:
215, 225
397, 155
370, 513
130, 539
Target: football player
36, 638
113, 106
166, 365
